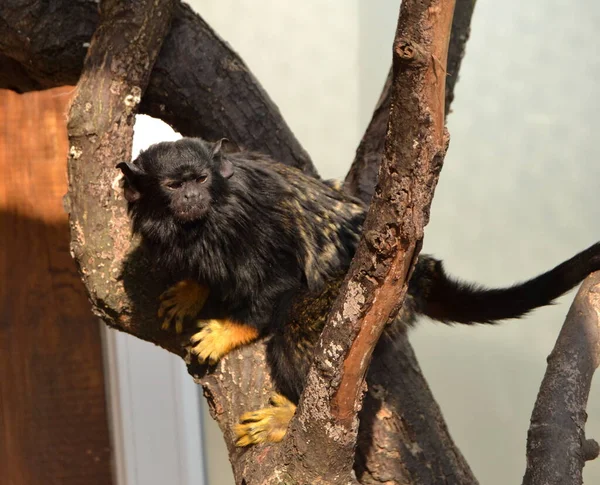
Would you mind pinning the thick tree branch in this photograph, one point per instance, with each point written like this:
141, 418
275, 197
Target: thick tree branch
100, 128
374, 290
401, 424
198, 84
556, 444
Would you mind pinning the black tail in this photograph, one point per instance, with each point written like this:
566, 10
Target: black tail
448, 300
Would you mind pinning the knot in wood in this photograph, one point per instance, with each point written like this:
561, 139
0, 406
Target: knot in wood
380, 242
408, 51
405, 49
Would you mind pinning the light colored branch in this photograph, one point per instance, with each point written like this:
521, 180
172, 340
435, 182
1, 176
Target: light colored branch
374, 290
362, 176
399, 412
100, 129
556, 444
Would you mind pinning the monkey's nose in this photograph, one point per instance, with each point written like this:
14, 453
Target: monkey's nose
190, 195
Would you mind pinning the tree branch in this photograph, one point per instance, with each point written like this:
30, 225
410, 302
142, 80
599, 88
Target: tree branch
556, 445
199, 85
461, 30
374, 290
400, 418
362, 176
100, 130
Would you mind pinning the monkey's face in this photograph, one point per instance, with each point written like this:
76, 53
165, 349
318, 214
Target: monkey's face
187, 192
176, 180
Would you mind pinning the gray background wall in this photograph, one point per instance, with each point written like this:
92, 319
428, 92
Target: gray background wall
517, 194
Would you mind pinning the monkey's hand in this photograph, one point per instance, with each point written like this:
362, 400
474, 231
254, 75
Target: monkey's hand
267, 425
219, 337
184, 299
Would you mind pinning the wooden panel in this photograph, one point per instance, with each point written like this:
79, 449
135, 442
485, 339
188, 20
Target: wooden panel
53, 421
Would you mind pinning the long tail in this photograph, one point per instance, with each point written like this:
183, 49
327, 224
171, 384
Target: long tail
442, 298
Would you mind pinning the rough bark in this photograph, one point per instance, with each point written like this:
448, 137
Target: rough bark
403, 438
374, 289
100, 130
362, 176
391, 447
199, 85
556, 444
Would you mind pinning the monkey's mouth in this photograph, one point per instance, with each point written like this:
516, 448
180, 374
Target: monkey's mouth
189, 213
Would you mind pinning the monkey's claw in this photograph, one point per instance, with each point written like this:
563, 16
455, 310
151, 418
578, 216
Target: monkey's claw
184, 299
219, 337
267, 425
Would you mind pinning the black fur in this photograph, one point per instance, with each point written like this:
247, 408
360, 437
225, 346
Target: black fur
251, 243
273, 245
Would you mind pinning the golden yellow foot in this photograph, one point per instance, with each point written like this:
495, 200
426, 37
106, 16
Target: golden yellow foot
184, 299
219, 337
267, 425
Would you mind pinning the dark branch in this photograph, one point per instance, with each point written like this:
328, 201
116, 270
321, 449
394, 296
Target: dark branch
461, 29
199, 85
556, 444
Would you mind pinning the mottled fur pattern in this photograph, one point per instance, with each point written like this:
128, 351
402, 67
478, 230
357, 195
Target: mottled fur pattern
254, 247
273, 245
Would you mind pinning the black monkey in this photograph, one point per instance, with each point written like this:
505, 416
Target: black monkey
264, 248
236, 225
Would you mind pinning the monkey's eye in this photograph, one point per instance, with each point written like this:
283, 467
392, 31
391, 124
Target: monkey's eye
174, 185
201, 179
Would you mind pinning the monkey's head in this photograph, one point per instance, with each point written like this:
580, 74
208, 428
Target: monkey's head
178, 180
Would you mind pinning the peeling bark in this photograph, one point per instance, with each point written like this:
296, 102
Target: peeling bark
556, 444
401, 425
374, 289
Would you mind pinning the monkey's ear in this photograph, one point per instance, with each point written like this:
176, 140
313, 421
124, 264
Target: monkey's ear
225, 145
223, 164
225, 168
132, 174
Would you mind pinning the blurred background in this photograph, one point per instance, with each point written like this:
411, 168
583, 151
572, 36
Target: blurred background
517, 195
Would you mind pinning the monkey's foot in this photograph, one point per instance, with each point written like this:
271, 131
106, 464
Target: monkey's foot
219, 337
185, 299
267, 425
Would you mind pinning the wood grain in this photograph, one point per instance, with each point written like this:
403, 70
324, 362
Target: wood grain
53, 419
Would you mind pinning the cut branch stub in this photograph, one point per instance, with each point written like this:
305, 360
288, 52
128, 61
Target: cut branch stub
409, 52
362, 176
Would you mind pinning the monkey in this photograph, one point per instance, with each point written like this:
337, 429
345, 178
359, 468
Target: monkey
228, 225
262, 249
